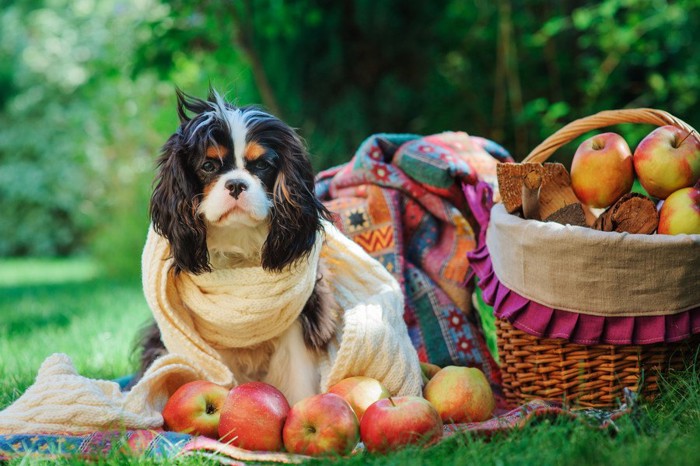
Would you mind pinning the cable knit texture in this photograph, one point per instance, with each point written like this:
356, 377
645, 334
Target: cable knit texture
230, 308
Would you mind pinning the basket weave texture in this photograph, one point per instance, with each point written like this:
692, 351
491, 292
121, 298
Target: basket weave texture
586, 376
576, 374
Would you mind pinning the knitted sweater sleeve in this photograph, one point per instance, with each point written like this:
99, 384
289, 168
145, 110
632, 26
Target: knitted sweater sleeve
374, 338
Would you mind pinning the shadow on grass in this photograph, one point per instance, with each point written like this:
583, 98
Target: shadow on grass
30, 307
20, 326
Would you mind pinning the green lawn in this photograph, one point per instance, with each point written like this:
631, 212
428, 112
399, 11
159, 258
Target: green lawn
49, 306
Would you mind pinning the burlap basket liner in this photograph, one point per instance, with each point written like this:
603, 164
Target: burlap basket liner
585, 286
594, 272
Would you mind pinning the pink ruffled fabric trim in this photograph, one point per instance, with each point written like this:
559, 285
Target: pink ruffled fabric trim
545, 322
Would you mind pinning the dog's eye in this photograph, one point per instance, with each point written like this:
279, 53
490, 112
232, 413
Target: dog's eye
209, 166
262, 164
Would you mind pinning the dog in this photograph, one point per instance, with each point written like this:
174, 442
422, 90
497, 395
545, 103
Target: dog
235, 188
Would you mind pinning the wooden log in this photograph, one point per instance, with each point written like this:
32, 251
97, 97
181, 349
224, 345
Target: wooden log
632, 213
531, 195
555, 191
571, 214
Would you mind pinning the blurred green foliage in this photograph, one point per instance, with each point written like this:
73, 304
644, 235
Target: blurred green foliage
78, 130
86, 88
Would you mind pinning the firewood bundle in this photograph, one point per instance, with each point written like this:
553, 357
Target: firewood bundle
543, 192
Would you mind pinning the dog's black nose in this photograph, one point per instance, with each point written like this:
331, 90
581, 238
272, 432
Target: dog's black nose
236, 187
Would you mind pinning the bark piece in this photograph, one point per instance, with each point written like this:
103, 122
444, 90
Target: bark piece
632, 213
572, 214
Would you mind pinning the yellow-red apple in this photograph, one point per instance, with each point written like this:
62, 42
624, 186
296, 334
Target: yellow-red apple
667, 159
321, 425
394, 422
602, 170
680, 212
461, 394
360, 392
195, 408
429, 369
253, 416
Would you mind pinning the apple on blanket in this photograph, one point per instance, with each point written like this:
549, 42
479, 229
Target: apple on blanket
256, 416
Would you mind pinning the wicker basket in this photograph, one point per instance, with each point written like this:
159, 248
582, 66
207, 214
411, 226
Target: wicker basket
586, 376
579, 375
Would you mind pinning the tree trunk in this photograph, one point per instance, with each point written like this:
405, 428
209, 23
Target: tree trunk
243, 38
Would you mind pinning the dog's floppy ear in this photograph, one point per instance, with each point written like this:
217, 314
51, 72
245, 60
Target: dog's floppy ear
296, 213
173, 209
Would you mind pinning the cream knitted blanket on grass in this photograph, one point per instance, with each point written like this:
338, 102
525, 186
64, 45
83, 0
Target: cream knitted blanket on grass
193, 314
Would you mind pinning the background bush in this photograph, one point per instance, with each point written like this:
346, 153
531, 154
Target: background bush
86, 88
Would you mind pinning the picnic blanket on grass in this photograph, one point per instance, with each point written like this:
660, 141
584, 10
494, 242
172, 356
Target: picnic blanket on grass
401, 199
160, 445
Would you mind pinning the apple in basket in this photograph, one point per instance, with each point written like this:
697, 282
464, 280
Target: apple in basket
253, 416
360, 392
461, 394
667, 159
195, 408
680, 212
602, 170
394, 422
322, 424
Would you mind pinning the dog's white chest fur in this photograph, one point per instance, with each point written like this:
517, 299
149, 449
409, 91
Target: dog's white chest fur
283, 362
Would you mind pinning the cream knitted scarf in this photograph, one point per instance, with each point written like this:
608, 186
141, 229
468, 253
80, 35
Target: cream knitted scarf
227, 308
193, 314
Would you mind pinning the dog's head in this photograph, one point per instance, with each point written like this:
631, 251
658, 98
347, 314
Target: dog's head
230, 168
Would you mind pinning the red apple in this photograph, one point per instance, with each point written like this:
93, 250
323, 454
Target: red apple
195, 408
680, 212
394, 422
461, 394
253, 416
602, 170
667, 159
360, 392
320, 425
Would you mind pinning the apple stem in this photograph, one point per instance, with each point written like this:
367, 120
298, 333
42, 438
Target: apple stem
686, 137
391, 400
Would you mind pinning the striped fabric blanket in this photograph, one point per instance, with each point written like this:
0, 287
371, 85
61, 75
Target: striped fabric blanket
159, 445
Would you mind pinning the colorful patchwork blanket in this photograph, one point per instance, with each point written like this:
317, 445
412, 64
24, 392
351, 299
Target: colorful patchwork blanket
401, 199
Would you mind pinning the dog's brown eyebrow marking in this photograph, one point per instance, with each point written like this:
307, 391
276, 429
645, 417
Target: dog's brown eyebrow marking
253, 151
216, 152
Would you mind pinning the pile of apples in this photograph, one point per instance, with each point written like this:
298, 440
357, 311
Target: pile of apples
666, 163
257, 416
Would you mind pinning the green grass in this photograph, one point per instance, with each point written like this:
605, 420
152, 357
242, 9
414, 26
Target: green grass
50, 306
67, 306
